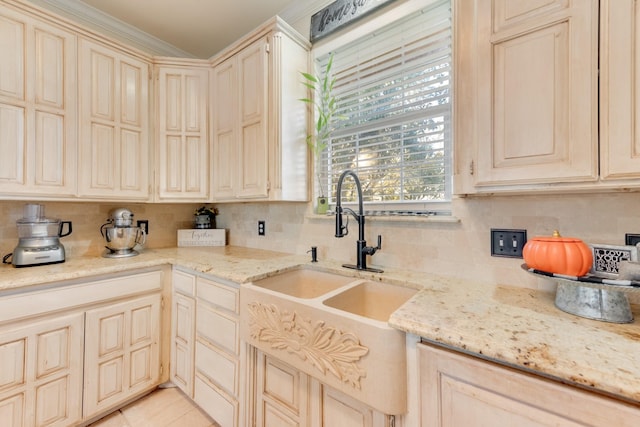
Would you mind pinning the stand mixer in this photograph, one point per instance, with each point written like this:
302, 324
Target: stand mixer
120, 235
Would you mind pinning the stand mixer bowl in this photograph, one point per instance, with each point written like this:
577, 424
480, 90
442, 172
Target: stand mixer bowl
122, 239
120, 236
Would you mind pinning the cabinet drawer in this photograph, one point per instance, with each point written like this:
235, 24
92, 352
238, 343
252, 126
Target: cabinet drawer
217, 328
184, 283
218, 294
213, 401
61, 296
217, 367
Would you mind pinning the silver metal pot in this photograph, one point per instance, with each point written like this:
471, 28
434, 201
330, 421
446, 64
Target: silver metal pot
119, 238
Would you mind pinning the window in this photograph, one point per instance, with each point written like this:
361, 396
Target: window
393, 90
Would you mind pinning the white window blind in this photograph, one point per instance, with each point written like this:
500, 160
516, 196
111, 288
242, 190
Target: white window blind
393, 90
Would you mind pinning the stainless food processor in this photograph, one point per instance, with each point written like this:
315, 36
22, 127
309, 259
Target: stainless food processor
38, 238
120, 235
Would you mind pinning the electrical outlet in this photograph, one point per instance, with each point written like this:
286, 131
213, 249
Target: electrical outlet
631, 239
144, 225
508, 243
261, 228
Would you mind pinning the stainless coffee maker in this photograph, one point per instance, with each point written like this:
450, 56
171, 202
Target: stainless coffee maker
120, 235
38, 239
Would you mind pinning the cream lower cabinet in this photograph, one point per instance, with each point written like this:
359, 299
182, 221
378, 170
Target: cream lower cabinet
217, 352
38, 111
122, 352
205, 364
72, 351
183, 323
41, 372
285, 396
458, 390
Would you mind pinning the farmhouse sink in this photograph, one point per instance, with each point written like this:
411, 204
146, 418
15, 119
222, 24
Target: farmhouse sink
333, 328
303, 283
374, 300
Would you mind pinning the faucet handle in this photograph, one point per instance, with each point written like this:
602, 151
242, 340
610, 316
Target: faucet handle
370, 250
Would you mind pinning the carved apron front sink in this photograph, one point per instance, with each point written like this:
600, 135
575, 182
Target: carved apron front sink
360, 356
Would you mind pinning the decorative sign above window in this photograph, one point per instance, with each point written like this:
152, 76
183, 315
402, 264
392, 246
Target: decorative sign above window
340, 13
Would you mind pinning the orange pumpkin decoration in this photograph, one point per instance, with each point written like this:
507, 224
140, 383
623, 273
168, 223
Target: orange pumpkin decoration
557, 254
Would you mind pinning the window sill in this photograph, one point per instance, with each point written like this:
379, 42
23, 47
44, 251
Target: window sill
438, 219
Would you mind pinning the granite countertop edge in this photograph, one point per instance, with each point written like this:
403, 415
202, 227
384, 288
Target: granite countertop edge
515, 326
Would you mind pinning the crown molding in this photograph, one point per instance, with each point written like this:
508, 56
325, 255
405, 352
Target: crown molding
299, 10
95, 19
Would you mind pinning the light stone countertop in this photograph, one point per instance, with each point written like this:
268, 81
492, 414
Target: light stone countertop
514, 326
523, 328
228, 262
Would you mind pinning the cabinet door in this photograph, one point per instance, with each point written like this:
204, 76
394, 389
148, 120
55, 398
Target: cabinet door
183, 147
224, 103
281, 394
240, 120
531, 101
619, 76
253, 141
183, 313
183, 318
114, 135
41, 373
338, 409
38, 113
122, 356
459, 390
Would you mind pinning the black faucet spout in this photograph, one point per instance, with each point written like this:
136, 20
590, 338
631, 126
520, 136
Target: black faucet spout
342, 229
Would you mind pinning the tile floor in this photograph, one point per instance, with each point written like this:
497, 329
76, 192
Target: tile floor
165, 407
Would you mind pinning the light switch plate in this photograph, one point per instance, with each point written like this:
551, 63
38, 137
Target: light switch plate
507, 243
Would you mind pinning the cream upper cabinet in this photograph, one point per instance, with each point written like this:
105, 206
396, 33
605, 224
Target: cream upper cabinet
619, 80
38, 107
259, 126
183, 147
458, 390
224, 129
526, 94
114, 123
240, 93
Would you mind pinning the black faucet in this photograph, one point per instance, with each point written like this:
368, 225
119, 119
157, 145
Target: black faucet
341, 230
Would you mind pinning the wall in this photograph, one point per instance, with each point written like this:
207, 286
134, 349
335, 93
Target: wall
86, 218
459, 250
453, 249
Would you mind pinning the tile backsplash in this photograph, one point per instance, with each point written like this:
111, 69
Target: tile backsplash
86, 218
459, 249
